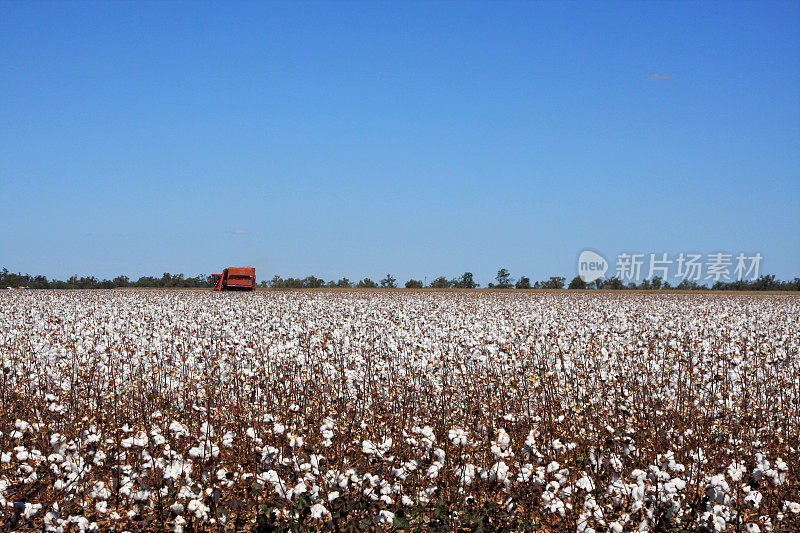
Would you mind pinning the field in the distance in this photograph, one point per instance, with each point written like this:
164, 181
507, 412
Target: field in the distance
355, 410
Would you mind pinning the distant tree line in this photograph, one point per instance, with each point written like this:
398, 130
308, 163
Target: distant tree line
389, 282
9, 279
503, 280
763, 283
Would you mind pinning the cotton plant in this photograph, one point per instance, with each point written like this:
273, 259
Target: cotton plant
592, 412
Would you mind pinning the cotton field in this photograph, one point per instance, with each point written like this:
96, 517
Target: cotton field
398, 410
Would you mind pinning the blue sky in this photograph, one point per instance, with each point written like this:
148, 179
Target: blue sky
360, 138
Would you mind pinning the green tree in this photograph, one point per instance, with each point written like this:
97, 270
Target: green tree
615, 284
689, 285
413, 284
366, 283
389, 282
441, 283
344, 283
464, 282
555, 282
577, 283
311, 282
503, 279
39, 282
524, 283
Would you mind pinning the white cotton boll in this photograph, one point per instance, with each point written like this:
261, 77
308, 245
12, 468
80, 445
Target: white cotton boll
735, 471
278, 428
497, 451
503, 439
369, 448
637, 494
100, 491
428, 433
556, 506
318, 511
195, 452
615, 527
457, 436
178, 429
467, 474
498, 472
582, 523
140, 440
384, 517
791, 507
198, 508
316, 460
333, 495
585, 483
31, 509
530, 440
752, 528
678, 483
753, 499
558, 446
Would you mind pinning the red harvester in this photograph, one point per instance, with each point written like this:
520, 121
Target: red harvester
235, 279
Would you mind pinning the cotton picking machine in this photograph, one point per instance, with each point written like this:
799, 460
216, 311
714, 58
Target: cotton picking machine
235, 279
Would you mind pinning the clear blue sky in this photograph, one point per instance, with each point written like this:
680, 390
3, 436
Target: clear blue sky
360, 138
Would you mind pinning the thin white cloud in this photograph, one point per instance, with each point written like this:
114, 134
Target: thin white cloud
658, 77
241, 232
